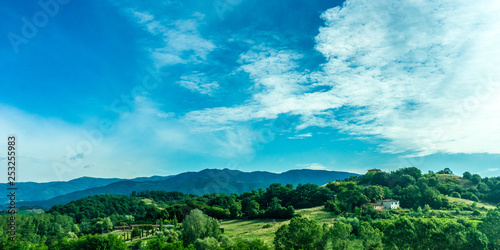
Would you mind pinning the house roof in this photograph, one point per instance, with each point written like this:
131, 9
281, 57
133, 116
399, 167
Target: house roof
388, 200
375, 204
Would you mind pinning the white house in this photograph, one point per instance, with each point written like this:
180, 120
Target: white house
389, 203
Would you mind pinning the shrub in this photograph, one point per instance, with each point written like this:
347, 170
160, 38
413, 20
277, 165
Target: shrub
267, 226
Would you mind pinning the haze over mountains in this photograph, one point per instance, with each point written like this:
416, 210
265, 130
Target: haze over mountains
202, 182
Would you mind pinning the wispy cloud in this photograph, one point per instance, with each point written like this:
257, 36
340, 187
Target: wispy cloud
278, 88
198, 83
79, 151
181, 41
301, 136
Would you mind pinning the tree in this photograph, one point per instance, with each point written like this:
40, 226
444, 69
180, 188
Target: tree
372, 237
445, 171
476, 178
301, 233
467, 175
245, 244
198, 225
252, 208
235, 210
491, 227
107, 225
136, 232
208, 243
401, 234
92, 242
475, 239
380, 178
374, 193
340, 234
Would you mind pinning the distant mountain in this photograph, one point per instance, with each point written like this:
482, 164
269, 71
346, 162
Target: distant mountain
33, 191
202, 182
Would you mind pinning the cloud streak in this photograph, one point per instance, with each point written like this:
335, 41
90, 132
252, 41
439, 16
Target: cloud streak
181, 43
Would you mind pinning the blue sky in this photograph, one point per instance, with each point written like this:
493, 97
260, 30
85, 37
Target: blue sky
127, 89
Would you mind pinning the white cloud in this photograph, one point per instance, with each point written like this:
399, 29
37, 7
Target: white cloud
163, 114
301, 136
198, 83
313, 166
278, 88
182, 43
421, 75
424, 73
493, 169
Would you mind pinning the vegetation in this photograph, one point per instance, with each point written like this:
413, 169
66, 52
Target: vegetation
438, 211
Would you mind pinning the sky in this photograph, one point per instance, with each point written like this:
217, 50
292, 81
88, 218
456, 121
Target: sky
140, 88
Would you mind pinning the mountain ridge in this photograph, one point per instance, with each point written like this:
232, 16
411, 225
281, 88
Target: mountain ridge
201, 182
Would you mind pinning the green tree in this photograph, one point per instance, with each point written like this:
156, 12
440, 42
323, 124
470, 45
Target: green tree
246, 244
208, 243
445, 171
107, 225
92, 242
340, 234
467, 175
198, 225
301, 233
476, 179
252, 209
475, 240
491, 227
374, 193
372, 237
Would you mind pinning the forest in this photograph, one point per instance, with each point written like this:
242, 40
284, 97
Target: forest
438, 211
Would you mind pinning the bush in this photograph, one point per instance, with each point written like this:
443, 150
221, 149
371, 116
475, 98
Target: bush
456, 195
267, 226
209, 243
474, 198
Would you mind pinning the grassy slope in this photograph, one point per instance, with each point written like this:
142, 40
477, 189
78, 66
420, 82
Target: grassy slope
251, 229
448, 178
469, 202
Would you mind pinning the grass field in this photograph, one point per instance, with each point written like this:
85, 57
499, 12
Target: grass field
253, 229
151, 202
469, 202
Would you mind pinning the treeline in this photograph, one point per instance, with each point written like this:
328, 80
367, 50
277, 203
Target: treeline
277, 201
406, 181
403, 232
40, 230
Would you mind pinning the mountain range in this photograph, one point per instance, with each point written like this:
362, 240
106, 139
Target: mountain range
202, 182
